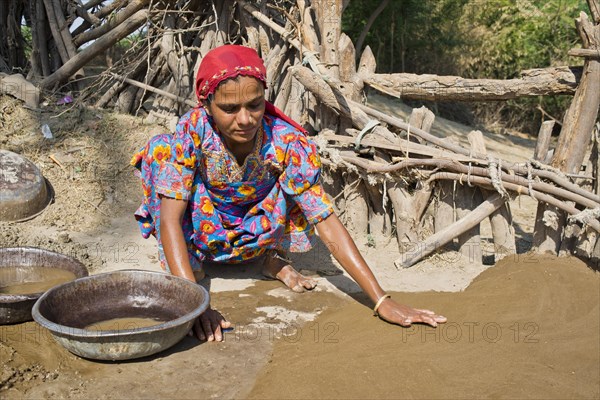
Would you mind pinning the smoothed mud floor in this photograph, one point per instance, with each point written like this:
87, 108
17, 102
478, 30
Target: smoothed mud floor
526, 328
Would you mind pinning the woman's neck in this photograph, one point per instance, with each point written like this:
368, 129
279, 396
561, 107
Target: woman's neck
241, 151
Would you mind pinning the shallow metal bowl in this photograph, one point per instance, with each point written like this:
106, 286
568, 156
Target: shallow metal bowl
24, 192
15, 308
66, 310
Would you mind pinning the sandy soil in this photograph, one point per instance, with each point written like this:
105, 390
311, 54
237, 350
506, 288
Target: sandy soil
91, 219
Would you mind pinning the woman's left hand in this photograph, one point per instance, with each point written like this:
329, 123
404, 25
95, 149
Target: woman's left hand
396, 313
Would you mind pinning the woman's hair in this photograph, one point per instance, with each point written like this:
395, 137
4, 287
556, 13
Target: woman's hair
209, 99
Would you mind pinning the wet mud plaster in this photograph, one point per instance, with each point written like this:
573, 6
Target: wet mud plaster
35, 366
526, 328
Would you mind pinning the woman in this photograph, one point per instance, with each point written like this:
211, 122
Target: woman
239, 180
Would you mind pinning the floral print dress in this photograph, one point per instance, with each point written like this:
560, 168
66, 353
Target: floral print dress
234, 213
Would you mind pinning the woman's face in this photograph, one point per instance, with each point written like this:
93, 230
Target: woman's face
237, 109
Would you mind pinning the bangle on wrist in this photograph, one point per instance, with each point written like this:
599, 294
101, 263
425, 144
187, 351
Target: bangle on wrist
379, 302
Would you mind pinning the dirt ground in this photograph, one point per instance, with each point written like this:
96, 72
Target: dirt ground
528, 326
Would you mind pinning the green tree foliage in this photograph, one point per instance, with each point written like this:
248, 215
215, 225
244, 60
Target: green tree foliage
410, 35
515, 35
476, 39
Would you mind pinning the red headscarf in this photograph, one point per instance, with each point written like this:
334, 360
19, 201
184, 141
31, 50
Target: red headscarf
229, 61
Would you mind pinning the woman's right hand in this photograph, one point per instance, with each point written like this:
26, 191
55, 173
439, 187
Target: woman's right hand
209, 326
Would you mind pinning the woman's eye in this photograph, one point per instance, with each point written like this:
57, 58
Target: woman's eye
256, 105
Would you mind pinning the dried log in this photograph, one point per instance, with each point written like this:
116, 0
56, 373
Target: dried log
543, 141
574, 137
357, 208
402, 147
503, 233
55, 29
100, 14
34, 57
264, 39
283, 94
252, 39
367, 63
329, 21
334, 99
400, 199
469, 173
82, 12
594, 6
156, 90
581, 116
397, 122
421, 118
349, 86
262, 18
481, 158
588, 241
67, 40
534, 82
12, 44
132, 8
407, 217
584, 53
328, 18
451, 231
295, 105
275, 65
125, 100
379, 217
87, 54
466, 199
42, 45
310, 40
486, 182
92, 3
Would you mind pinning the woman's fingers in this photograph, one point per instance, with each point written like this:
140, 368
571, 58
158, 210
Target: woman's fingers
199, 330
406, 316
209, 326
225, 324
205, 321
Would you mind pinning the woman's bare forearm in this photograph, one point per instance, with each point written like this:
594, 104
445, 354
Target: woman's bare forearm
333, 233
173, 241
